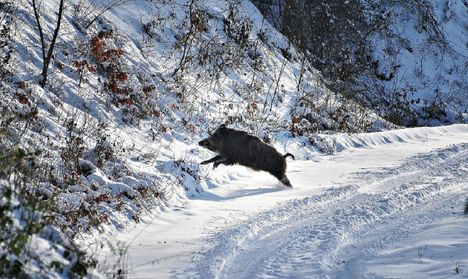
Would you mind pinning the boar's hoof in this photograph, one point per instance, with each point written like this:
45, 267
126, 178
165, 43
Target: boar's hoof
286, 181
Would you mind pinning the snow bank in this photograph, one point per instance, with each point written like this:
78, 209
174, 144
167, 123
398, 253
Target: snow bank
371, 140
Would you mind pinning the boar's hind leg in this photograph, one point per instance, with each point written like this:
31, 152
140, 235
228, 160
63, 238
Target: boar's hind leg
286, 181
214, 159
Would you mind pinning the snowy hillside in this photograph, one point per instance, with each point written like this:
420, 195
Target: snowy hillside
423, 56
405, 59
109, 138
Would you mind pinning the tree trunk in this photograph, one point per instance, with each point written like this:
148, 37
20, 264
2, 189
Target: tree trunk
47, 57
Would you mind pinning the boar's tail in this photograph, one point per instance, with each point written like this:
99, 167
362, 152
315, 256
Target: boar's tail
289, 155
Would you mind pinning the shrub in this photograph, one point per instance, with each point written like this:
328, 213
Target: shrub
82, 67
72, 151
109, 62
6, 22
23, 216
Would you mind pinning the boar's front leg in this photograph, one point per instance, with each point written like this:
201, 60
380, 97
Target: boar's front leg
217, 160
214, 159
224, 161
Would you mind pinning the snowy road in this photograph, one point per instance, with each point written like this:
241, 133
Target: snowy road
394, 210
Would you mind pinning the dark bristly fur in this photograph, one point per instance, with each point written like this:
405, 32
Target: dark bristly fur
238, 147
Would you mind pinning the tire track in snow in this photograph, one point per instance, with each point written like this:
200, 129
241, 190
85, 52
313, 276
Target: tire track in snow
211, 262
318, 237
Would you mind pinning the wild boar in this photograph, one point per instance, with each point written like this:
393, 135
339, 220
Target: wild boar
238, 147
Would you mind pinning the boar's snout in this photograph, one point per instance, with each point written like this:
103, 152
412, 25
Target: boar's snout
204, 143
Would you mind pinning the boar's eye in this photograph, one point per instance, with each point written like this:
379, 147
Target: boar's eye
223, 126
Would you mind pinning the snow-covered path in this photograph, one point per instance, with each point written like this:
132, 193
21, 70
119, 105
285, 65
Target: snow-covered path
360, 213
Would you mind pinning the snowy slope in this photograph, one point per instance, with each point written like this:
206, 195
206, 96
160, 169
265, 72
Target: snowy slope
406, 59
424, 50
396, 200
125, 124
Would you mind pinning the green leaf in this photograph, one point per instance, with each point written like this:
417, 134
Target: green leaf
18, 243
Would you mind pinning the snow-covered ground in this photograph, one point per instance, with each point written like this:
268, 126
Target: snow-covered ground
135, 85
387, 205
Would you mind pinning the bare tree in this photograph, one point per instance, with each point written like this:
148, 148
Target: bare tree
47, 52
187, 40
